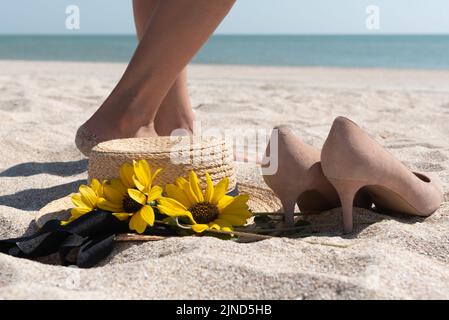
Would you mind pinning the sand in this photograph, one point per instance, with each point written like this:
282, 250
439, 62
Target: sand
393, 256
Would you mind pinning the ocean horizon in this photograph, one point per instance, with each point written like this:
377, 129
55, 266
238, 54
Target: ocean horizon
347, 51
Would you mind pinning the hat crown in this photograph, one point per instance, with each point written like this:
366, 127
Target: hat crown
175, 155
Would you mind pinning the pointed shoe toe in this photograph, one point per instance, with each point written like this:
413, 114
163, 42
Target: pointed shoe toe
351, 160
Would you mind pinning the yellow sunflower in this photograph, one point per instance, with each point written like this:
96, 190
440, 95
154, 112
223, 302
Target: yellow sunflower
86, 200
132, 195
211, 209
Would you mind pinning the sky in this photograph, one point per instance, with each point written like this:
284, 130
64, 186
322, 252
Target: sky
247, 17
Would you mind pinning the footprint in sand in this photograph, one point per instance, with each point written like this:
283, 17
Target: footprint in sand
436, 156
16, 105
7, 275
429, 167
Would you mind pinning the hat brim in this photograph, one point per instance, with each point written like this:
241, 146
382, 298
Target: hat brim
261, 198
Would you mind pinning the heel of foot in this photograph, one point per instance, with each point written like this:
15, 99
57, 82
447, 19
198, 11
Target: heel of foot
85, 141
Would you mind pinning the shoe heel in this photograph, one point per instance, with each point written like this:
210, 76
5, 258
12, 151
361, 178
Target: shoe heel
347, 190
288, 204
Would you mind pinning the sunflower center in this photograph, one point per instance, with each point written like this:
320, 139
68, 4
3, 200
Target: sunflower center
204, 212
130, 205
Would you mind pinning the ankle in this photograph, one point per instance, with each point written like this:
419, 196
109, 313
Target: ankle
165, 125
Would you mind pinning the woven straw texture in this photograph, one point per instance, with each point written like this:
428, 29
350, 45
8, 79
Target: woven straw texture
175, 155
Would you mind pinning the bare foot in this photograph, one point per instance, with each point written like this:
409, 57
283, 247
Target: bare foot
104, 129
123, 118
127, 117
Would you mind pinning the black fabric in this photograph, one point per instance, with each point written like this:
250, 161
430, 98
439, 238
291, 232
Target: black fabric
87, 254
84, 242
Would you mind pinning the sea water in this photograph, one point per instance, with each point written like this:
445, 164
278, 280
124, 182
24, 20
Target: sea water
414, 52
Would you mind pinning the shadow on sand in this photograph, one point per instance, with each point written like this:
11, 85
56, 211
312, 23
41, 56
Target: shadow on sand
330, 224
63, 169
35, 199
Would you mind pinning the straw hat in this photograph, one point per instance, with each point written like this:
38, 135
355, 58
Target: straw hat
176, 156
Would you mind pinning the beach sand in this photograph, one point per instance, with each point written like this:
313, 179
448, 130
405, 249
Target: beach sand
388, 256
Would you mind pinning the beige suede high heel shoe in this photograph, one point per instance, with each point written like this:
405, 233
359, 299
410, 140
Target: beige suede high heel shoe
351, 160
298, 178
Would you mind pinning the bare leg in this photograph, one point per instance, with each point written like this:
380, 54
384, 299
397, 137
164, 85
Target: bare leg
178, 28
175, 111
